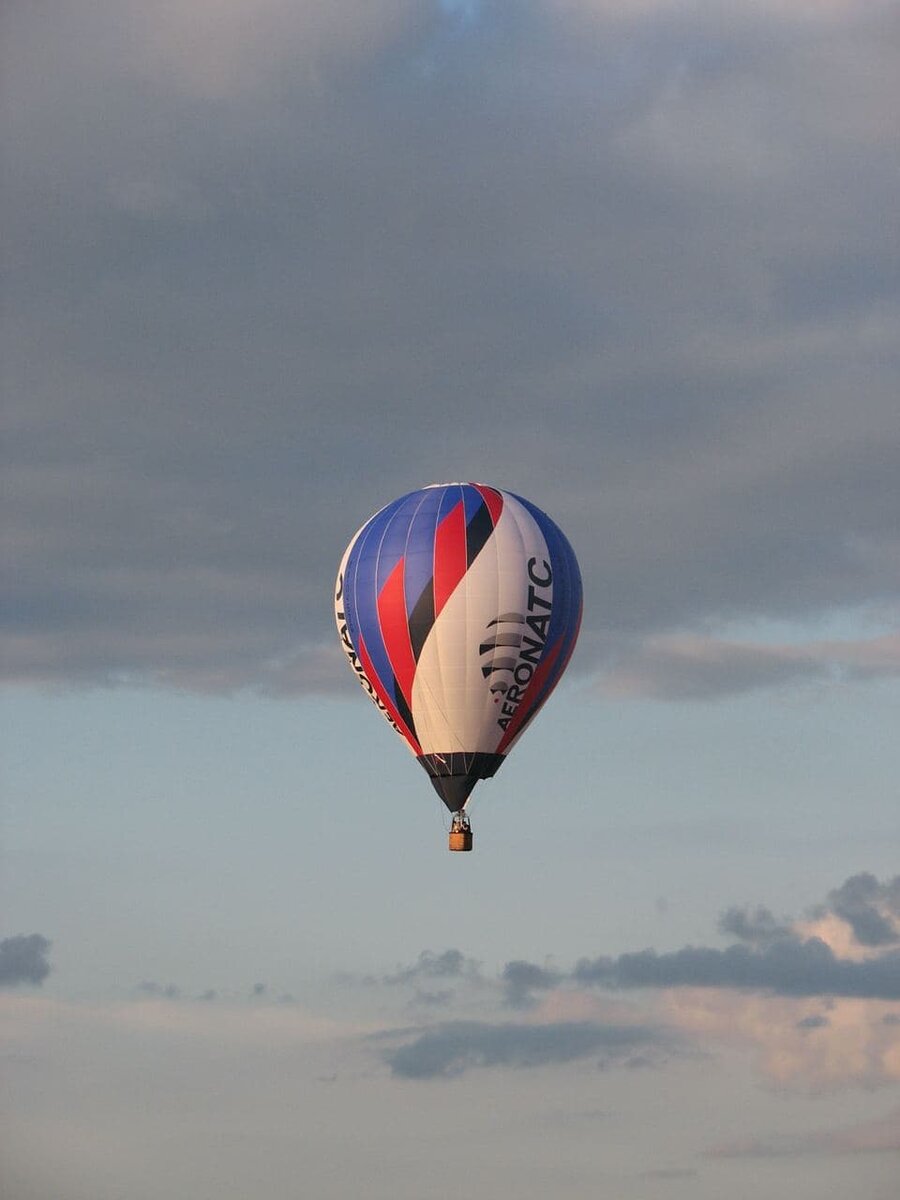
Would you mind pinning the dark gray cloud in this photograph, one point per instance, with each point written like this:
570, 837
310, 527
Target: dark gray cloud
816, 1021
23, 959
450, 964
520, 979
171, 991
263, 282
855, 901
791, 967
770, 955
448, 1050
756, 925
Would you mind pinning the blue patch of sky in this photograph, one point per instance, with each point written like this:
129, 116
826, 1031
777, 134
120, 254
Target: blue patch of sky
212, 842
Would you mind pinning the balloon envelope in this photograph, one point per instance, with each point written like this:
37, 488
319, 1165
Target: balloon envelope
458, 607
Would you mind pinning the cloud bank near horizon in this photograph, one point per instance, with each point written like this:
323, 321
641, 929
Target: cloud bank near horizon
817, 997
849, 946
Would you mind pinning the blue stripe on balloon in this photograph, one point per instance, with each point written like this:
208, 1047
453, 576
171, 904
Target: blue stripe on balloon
393, 542
450, 497
472, 501
361, 593
420, 547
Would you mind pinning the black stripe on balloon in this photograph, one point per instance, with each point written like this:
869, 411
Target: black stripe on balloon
403, 708
421, 619
478, 531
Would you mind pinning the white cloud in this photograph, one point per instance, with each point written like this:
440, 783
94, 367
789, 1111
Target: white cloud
692, 666
853, 1046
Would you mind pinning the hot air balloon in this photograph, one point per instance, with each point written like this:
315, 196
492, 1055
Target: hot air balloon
458, 607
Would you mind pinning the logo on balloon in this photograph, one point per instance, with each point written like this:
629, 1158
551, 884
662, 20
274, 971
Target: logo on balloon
353, 657
495, 643
514, 670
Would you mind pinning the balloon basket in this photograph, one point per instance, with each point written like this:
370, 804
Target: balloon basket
460, 832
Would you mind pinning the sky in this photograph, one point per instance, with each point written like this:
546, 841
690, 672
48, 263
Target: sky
270, 265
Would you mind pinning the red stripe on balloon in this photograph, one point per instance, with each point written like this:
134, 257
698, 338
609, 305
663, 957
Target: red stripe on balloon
493, 499
395, 630
535, 685
449, 555
386, 699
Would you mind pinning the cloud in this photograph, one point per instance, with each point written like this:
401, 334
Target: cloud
520, 979
796, 1050
450, 964
423, 979
445, 1051
653, 247
151, 989
777, 957
815, 1021
216, 52
652, 250
816, 997
788, 967
857, 902
813, 996
754, 926
690, 667
23, 960
151, 1096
